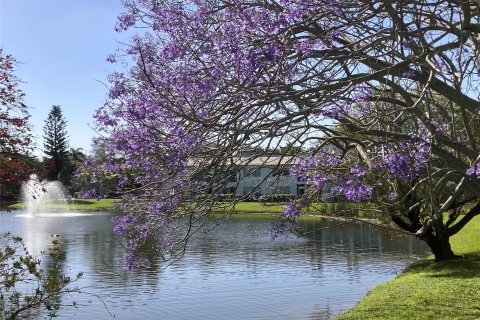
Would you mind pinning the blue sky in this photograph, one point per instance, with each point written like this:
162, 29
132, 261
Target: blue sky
62, 46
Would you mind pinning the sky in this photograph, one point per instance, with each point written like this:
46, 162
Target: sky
62, 46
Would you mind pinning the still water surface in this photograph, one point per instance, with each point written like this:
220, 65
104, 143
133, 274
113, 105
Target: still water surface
234, 272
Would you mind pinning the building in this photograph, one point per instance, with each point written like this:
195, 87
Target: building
267, 174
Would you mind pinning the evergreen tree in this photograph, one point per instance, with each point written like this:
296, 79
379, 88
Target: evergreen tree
56, 144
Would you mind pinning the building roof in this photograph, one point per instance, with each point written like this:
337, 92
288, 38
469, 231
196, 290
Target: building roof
256, 160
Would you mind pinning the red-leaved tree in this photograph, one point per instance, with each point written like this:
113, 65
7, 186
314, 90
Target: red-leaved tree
15, 131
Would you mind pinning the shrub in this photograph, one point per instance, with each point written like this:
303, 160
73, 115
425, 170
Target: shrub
280, 197
226, 197
27, 288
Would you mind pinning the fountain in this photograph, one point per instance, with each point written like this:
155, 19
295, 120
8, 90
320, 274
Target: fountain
42, 196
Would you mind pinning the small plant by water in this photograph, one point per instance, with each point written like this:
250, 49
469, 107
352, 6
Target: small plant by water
27, 287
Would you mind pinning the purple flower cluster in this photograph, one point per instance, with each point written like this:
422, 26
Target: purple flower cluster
278, 230
404, 160
335, 176
474, 171
291, 210
91, 194
362, 93
353, 190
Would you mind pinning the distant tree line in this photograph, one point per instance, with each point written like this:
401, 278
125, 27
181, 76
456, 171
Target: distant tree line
17, 161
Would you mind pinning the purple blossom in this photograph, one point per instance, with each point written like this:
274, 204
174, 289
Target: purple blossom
278, 230
358, 171
125, 21
133, 262
111, 58
354, 190
205, 81
405, 159
362, 93
475, 170
291, 210
392, 196
88, 194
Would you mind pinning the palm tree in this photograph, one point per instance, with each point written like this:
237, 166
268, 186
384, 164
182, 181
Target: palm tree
76, 156
75, 159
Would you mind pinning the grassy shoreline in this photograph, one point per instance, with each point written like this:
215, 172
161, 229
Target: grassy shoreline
430, 290
242, 207
110, 205
75, 204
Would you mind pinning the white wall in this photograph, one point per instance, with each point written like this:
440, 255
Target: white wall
263, 185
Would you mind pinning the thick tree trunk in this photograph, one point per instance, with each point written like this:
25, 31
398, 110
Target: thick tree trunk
436, 235
440, 246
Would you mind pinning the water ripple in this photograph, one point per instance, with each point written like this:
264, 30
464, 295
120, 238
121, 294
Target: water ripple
235, 272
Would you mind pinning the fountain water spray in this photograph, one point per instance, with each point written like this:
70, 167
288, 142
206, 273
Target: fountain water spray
41, 196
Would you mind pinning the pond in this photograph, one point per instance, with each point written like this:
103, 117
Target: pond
234, 272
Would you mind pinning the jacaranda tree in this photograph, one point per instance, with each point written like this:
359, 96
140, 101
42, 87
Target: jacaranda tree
382, 96
15, 132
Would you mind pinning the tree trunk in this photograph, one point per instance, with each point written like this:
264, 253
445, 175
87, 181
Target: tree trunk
440, 246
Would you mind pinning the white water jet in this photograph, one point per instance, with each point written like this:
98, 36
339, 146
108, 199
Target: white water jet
42, 196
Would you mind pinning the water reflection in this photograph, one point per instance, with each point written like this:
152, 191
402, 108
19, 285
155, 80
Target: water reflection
233, 272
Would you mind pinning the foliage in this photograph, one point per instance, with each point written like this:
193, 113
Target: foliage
98, 183
15, 131
25, 287
427, 290
380, 98
56, 145
227, 197
276, 198
14, 170
75, 159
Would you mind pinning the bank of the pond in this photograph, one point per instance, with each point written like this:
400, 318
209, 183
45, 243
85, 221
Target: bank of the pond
239, 210
249, 207
75, 204
339, 209
430, 290
111, 204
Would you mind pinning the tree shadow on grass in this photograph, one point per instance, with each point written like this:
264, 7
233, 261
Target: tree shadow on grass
468, 266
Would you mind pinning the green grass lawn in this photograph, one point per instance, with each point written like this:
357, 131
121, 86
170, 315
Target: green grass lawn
109, 204
242, 210
241, 207
316, 208
77, 204
430, 290
250, 207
